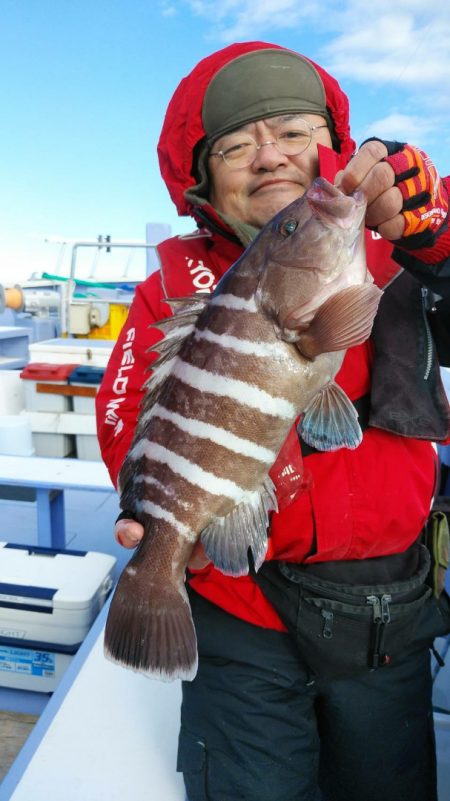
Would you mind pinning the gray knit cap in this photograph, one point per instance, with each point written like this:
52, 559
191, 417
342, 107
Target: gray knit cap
259, 84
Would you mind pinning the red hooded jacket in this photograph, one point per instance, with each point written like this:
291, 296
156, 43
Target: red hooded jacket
355, 503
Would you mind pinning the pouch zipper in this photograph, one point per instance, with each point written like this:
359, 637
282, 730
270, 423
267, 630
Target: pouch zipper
429, 339
327, 631
381, 617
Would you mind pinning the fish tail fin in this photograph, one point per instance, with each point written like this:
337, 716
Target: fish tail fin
150, 628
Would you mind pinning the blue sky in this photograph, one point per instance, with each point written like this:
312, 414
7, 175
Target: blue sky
84, 85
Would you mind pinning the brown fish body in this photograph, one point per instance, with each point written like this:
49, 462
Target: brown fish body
232, 376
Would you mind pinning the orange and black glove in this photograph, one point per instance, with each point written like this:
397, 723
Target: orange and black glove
425, 197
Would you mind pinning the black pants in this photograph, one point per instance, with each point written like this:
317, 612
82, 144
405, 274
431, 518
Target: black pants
251, 727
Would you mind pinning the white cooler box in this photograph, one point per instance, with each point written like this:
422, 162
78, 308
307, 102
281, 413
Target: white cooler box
95, 352
48, 601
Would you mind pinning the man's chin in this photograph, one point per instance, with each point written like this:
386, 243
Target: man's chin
274, 202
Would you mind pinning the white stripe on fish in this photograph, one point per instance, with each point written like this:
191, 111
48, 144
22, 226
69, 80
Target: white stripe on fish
263, 350
153, 509
245, 393
169, 492
220, 436
189, 470
230, 301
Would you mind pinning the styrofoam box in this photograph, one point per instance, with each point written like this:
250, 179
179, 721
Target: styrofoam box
85, 376
12, 396
88, 447
48, 601
15, 435
51, 374
46, 444
83, 405
95, 352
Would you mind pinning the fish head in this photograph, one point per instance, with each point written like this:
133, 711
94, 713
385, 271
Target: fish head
312, 249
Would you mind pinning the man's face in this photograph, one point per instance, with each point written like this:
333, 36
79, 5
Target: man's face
255, 193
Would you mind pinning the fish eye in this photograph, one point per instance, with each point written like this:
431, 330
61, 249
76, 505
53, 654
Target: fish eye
288, 227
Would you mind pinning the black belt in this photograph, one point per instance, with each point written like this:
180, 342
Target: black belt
362, 406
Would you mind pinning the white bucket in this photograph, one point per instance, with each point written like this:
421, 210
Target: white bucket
15, 435
12, 396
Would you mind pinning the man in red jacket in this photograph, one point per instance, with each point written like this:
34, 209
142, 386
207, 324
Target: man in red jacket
260, 721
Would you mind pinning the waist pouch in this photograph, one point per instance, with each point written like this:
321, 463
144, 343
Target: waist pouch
436, 537
342, 629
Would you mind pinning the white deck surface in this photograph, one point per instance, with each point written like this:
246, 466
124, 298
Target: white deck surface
32, 471
107, 734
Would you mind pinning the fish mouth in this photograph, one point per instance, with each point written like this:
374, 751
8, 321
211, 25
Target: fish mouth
334, 207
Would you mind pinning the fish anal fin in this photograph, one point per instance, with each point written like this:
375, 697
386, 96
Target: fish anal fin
227, 539
344, 320
330, 421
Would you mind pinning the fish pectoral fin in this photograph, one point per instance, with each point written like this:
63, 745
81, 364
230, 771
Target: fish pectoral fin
330, 421
227, 539
344, 320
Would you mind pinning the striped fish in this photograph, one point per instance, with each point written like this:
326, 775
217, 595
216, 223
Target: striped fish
233, 373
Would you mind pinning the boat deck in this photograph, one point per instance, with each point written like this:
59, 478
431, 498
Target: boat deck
89, 525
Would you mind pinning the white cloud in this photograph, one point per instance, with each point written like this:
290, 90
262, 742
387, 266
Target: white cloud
406, 47
401, 127
237, 20
406, 42
168, 9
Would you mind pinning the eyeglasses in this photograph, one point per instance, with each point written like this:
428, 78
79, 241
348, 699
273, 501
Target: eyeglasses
290, 139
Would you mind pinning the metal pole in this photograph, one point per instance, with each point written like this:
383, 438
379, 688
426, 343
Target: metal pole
73, 261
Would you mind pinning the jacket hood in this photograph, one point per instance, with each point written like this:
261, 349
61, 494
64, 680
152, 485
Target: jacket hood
183, 130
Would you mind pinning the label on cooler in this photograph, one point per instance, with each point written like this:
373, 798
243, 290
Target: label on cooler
27, 661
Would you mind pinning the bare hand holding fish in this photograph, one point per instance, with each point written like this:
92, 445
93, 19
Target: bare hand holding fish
234, 372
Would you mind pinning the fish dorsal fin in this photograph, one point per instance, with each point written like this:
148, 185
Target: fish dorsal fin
227, 539
185, 313
330, 420
195, 302
344, 320
176, 330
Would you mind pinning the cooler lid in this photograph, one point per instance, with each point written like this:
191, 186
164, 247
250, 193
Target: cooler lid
46, 371
49, 577
72, 345
86, 374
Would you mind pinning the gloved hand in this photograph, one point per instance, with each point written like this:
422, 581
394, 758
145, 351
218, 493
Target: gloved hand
425, 198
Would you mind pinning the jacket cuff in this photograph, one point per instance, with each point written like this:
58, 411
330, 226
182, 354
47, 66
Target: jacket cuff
126, 514
440, 251
436, 253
